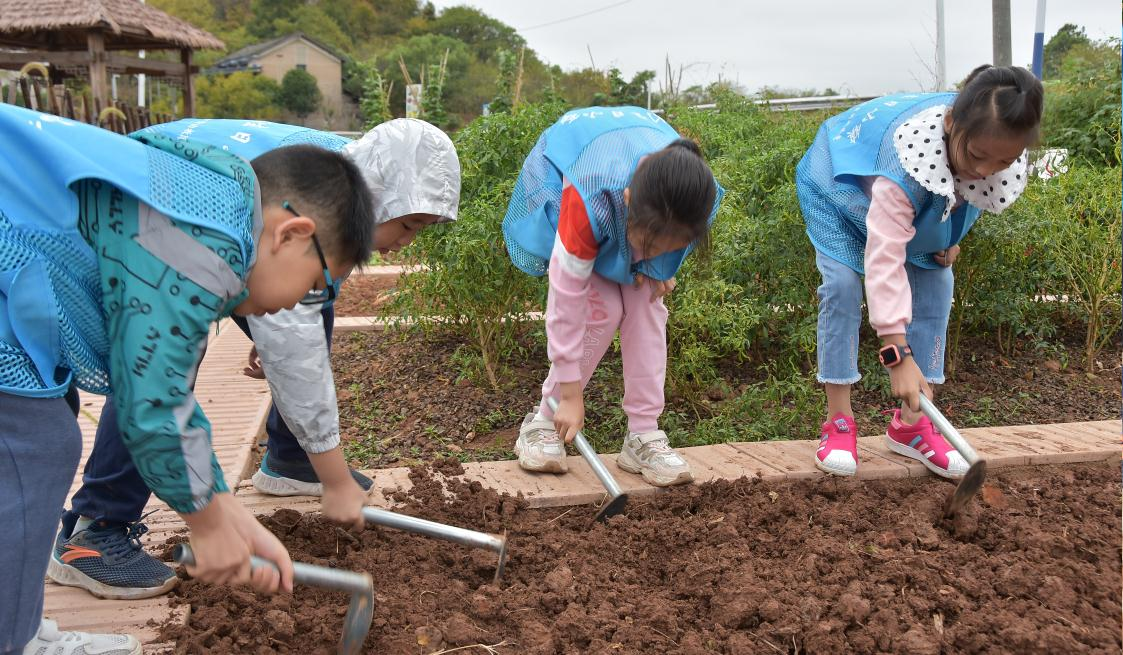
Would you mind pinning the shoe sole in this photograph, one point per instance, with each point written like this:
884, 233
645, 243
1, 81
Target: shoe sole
267, 484
625, 462
909, 451
69, 576
822, 466
540, 466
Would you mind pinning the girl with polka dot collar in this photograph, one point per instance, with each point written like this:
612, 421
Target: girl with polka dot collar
888, 189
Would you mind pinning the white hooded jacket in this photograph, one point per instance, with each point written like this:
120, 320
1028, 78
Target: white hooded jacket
411, 167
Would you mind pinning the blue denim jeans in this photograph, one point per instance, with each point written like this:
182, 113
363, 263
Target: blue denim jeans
40, 445
840, 318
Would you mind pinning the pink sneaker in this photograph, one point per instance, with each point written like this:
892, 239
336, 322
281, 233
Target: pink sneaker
923, 442
838, 446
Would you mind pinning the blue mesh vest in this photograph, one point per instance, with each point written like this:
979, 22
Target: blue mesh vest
245, 138
859, 143
52, 325
597, 150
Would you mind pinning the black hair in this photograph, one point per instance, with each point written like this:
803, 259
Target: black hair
326, 187
1006, 99
672, 193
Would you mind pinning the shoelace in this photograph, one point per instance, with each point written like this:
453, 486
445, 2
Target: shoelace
544, 436
115, 546
662, 450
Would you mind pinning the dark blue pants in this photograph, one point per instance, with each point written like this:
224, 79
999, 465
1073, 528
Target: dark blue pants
112, 489
39, 449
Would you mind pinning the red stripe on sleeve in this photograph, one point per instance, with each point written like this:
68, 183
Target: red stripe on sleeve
573, 226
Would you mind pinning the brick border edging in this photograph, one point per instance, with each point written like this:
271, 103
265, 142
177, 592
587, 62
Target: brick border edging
1019, 445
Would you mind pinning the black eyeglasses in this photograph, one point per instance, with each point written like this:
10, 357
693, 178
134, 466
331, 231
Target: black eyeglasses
329, 292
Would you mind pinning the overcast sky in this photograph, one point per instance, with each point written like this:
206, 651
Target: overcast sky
864, 47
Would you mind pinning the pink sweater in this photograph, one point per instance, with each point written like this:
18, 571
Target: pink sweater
571, 267
888, 232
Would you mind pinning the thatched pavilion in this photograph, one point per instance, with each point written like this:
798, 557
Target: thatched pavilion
87, 36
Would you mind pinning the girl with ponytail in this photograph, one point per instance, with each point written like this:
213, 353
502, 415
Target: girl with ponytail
609, 203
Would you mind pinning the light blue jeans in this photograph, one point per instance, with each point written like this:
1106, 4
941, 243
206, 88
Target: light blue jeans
840, 318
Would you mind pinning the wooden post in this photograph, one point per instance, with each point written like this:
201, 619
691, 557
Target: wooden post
28, 97
68, 104
95, 41
53, 101
188, 83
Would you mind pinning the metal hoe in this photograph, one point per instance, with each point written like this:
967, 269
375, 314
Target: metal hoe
356, 624
976, 474
471, 538
617, 498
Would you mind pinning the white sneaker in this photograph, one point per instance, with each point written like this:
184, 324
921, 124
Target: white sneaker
651, 456
52, 641
539, 448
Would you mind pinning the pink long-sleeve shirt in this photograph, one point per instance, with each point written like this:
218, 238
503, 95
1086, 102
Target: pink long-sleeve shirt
571, 268
888, 232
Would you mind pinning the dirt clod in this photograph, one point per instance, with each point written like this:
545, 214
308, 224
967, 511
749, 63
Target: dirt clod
876, 570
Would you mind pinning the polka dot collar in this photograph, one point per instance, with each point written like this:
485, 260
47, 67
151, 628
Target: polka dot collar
922, 147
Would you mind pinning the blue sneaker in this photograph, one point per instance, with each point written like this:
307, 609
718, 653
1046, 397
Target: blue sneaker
288, 478
107, 560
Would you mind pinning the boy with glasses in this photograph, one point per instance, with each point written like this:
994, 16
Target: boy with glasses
116, 257
413, 175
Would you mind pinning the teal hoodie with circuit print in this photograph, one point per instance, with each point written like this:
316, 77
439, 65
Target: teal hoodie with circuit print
116, 256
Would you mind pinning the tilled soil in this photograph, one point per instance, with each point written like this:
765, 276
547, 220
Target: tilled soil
365, 295
403, 396
824, 566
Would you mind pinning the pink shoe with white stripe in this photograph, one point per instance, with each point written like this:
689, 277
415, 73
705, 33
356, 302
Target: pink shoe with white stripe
923, 442
838, 446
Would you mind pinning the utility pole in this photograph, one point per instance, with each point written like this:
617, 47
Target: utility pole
1039, 38
941, 50
1000, 27
140, 81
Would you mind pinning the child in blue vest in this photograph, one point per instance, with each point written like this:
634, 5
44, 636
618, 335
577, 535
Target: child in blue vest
609, 203
116, 257
413, 174
888, 189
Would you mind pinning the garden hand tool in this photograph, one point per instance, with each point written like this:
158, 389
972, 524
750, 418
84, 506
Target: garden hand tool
617, 498
356, 624
471, 538
973, 480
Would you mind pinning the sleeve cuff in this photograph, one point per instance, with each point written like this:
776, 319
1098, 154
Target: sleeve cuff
322, 445
197, 503
899, 327
567, 371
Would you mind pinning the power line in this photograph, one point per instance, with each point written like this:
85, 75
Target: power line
562, 20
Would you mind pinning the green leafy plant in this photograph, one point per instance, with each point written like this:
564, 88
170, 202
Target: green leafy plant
299, 92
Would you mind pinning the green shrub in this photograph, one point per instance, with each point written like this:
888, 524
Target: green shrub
471, 283
1082, 108
749, 311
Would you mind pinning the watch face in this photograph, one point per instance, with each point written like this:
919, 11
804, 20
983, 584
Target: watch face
889, 356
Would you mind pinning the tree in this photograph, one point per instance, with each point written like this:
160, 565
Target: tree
299, 92
1058, 46
267, 12
621, 92
313, 21
580, 87
418, 52
484, 35
238, 95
